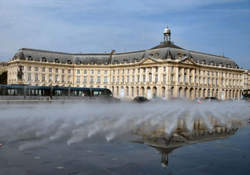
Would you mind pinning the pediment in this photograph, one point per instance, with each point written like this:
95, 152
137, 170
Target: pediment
188, 61
148, 61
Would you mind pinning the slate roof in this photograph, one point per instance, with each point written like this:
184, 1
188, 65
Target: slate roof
166, 50
166, 44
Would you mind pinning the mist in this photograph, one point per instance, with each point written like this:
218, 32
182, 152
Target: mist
34, 125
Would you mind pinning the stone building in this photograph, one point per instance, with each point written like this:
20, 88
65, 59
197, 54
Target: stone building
246, 79
165, 70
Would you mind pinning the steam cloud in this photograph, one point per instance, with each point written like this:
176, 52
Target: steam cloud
32, 125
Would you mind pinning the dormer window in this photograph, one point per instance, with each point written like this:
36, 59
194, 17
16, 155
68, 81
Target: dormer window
44, 59
211, 63
57, 60
30, 58
69, 61
125, 60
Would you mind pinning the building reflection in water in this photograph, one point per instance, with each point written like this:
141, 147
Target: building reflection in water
166, 143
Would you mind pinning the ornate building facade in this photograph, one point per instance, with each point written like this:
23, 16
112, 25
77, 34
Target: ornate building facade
166, 70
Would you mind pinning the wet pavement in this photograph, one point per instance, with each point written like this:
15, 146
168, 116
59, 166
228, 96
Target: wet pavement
229, 155
124, 139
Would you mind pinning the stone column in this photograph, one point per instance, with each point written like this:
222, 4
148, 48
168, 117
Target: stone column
188, 76
176, 73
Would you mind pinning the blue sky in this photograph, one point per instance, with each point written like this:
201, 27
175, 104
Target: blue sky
212, 26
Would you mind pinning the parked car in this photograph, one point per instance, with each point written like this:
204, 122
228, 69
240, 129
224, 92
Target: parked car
140, 99
210, 99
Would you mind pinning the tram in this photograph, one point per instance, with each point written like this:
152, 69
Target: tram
27, 91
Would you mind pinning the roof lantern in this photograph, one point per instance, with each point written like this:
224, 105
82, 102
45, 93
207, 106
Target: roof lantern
167, 34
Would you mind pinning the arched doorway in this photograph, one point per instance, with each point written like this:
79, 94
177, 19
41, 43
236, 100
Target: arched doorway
127, 91
117, 91
191, 95
185, 92
195, 93
204, 93
142, 91
199, 93
163, 92
180, 92
238, 94
172, 92
132, 91
148, 92
223, 94
208, 93
154, 92
234, 94
122, 92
